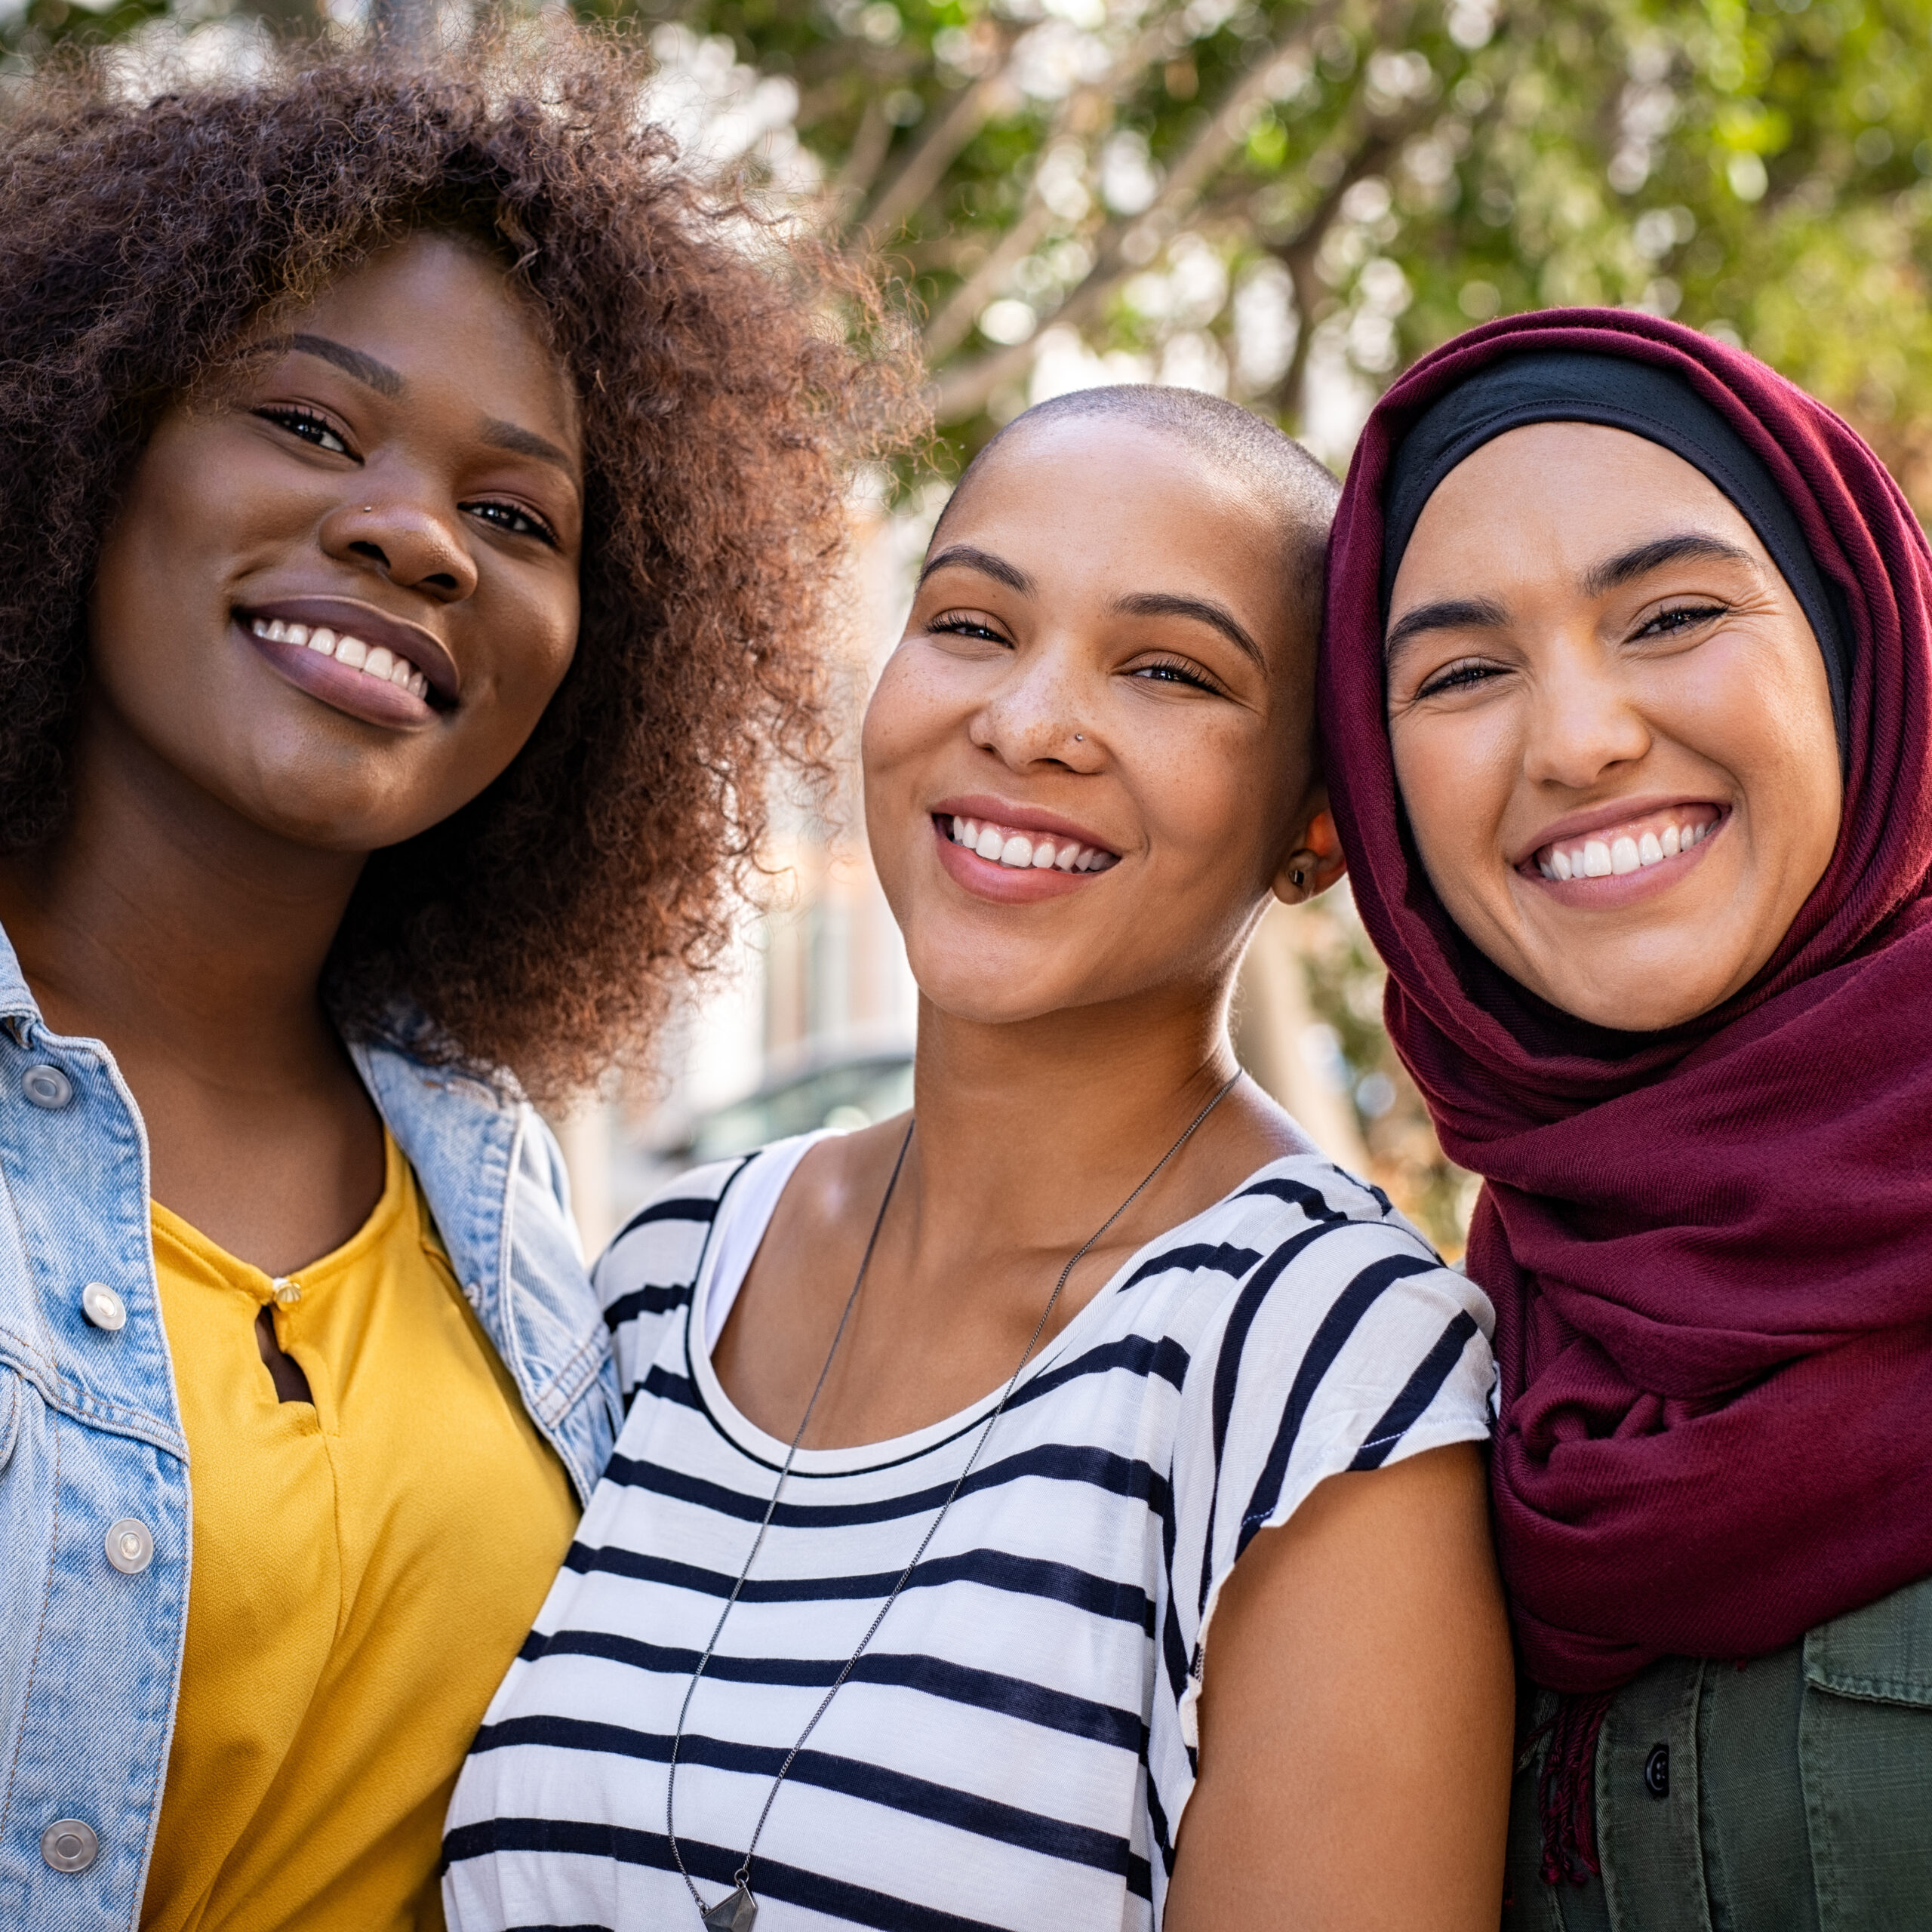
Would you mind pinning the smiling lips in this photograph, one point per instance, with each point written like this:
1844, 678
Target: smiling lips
376, 661
1619, 849
1021, 851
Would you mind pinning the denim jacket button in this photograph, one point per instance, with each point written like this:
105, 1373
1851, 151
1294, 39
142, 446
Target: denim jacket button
130, 1546
68, 1845
47, 1087
103, 1307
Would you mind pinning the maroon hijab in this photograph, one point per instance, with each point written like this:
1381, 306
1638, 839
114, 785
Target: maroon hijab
1710, 1250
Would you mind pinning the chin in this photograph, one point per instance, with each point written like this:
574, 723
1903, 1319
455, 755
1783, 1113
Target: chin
986, 992
1651, 997
324, 817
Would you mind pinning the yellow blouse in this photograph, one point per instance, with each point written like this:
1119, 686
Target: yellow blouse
365, 1569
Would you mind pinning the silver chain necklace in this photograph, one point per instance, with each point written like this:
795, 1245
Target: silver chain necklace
738, 1911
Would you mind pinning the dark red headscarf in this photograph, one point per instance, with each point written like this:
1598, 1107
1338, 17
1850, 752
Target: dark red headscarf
1710, 1250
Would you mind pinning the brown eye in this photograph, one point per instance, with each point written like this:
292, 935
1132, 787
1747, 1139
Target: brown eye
513, 518
1457, 678
954, 625
1674, 623
312, 429
1170, 671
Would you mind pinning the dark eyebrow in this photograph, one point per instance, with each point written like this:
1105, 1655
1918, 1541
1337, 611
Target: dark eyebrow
527, 442
1452, 614
983, 561
1165, 604
1615, 571
377, 376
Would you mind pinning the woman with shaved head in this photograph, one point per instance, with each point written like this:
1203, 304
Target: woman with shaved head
1062, 1507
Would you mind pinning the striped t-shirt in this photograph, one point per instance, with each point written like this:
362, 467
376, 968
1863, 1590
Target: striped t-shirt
1017, 1746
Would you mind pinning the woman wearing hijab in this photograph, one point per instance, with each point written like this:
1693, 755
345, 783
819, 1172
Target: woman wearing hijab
1625, 697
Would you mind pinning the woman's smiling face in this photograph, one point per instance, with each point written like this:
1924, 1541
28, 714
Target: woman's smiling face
1089, 757
1611, 725
339, 593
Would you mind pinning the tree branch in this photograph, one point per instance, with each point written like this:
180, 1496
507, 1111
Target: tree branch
863, 161
954, 322
925, 166
963, 392
1299, 254
1084, 110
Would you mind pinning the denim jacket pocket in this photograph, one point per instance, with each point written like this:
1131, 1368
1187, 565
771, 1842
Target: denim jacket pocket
1865, 1753
10, 1415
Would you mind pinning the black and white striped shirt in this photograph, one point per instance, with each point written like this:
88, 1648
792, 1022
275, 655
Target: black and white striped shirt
1017, 1748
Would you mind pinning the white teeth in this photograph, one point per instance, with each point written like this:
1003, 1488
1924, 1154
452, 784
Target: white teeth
1597, 858
382, 664
1021, 852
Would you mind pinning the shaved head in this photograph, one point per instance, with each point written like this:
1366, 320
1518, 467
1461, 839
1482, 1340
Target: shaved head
1301, 491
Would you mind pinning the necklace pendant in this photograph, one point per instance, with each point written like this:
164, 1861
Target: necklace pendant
737, 1913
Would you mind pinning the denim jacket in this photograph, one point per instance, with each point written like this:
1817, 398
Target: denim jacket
94, 1494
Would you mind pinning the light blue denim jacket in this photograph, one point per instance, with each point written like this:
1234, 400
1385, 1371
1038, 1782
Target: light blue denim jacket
90, 1432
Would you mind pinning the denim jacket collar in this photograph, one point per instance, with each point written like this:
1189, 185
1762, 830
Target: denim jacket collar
496, 1184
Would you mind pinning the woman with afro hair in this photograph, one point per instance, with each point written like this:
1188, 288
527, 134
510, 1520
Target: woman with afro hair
419, 500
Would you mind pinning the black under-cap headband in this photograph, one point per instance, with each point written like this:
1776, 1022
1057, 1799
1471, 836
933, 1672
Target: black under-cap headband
1569, 386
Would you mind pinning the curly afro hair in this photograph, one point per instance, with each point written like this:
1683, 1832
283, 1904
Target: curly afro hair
728, 377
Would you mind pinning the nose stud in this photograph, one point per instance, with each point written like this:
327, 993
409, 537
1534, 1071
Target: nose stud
1079, 737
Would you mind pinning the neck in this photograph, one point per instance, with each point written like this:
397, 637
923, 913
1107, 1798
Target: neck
1029, 1132
165, 923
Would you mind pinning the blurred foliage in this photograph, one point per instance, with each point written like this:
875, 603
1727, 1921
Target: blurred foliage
1344, 981
1289, 200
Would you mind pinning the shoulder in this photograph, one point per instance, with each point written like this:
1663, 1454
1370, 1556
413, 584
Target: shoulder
1324, 1299
665, 1239
1302, 1220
